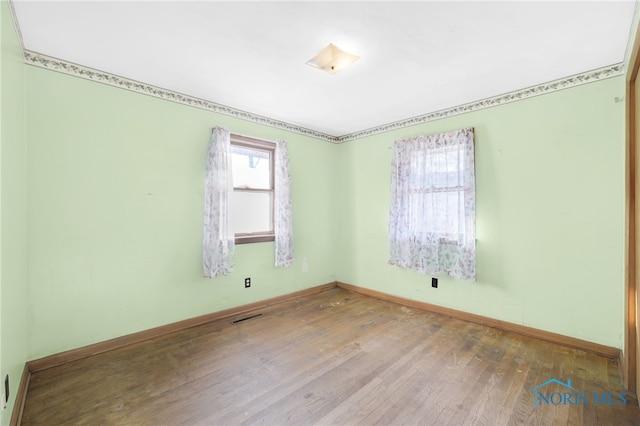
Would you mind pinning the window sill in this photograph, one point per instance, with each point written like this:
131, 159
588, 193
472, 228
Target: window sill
254, 238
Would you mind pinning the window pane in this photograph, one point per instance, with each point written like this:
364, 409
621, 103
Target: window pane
250, 212
438, 212
251, 167
437, 169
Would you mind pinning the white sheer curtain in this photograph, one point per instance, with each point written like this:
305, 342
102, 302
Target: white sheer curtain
218, 240
283, 224
432, 213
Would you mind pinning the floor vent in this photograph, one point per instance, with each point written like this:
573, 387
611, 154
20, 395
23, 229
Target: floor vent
246, 318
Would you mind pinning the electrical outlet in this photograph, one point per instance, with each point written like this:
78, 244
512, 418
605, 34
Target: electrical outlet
247, 282
434, 282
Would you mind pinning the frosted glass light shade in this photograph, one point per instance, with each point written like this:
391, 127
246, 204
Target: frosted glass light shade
332, 59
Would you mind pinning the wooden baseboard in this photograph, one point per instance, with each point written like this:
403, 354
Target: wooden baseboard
118, 342
547, 336
21, 397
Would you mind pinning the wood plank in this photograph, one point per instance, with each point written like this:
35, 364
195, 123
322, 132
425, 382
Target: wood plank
118, 342
336, 357
548, 336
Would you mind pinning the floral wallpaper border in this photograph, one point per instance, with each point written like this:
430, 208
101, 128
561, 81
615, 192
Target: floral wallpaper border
47, 62
44, 61
541, 89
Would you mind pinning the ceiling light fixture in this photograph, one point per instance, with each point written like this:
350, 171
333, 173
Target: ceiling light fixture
332, 59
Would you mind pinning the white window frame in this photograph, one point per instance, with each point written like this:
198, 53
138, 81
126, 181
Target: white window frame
457, 190
249, 142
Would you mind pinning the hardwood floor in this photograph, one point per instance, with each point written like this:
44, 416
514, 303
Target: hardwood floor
332, 358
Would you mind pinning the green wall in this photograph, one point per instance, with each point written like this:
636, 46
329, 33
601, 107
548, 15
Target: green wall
116, 195
115, 200
13, 222
550, 214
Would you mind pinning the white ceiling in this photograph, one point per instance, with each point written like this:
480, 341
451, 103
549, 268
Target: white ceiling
416, 57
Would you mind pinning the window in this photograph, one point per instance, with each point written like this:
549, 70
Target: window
257, 208
432, 212
251, 204
439, 197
